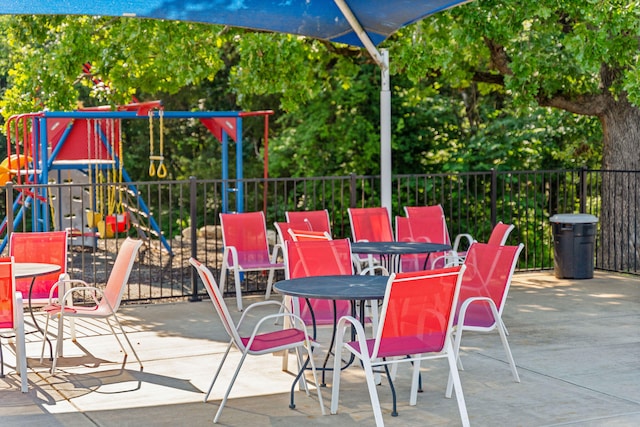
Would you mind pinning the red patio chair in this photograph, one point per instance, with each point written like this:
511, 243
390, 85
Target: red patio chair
12, 320
318, 219
458, 250
421, 229
370, 225
244, 236
48, 247
416, 320
500, 234
258, 343
319, 258
483, 294
105, 302
282, 228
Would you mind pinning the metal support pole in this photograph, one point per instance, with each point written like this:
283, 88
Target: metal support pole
193, 214
385, 133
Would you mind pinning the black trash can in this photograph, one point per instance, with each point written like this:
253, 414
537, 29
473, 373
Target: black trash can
574, 238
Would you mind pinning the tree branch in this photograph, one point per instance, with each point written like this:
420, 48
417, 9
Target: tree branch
499, 58
586, 105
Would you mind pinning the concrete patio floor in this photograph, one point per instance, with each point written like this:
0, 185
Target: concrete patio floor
576, 344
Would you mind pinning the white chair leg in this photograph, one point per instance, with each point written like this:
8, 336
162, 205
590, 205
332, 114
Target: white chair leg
226, 394
457, 385
58, 352
269, 283
506, 331
215, 377
309, 349
303, 380
124, 334
456, 353
21, 352
415, 379
373, 393
337, 369
505, 344
44, 338
238, 286
236, 277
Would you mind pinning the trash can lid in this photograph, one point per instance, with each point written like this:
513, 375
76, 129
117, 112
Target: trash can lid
574, 218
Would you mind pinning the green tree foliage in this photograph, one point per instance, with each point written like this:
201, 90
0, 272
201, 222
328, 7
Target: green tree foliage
453, 110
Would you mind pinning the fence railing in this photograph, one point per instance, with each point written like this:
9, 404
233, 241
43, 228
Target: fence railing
179, 219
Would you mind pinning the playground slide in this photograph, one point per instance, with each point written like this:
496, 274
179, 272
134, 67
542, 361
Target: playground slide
11, 165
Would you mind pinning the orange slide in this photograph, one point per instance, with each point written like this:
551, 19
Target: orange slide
11, 165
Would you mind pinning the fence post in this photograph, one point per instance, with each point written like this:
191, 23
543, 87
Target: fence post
494, 197
352, 190
583, 189
193, 213
9, 201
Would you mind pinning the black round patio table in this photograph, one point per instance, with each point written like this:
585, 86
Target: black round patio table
390, 250
348, 287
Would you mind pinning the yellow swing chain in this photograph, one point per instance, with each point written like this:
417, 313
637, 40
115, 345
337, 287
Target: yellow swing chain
161, 172
152, 167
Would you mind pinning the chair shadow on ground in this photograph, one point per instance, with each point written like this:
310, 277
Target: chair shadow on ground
78, 375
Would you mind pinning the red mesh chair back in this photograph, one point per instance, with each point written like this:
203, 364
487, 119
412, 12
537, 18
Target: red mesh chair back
417, 312
282, 228
435, 212
119, 276
7, 290
318, 219
48, 247
500, 234
247, 232
430, 211
319, 258
421, 229
489, 272
370, 224
218, 301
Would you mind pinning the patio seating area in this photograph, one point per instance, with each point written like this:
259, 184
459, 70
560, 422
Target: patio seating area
575, 342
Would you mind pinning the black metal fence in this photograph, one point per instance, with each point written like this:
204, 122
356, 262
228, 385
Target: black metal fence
179, 219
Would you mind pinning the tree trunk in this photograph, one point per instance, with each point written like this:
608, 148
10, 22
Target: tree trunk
619, 234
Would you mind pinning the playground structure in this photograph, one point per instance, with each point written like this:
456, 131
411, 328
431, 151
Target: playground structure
85, 150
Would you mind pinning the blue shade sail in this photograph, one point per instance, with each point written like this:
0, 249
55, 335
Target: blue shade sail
321, 19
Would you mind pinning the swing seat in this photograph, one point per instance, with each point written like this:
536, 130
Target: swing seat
118, 223
114, 224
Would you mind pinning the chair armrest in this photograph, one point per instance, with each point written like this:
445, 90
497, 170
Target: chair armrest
458, 240
280, 305
274, 253
234, 256
340, 330
465, 305
91, 289
63, 283
450, 259
371, 270
296, 320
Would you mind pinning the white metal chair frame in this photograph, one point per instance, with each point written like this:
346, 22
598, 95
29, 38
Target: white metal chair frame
18, 330
103, 308
370, 360
244, 344
498, 323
